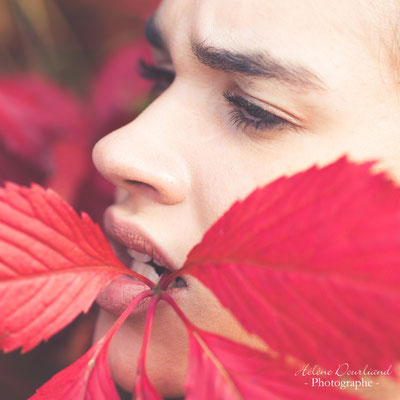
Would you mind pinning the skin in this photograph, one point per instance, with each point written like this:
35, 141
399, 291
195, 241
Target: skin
191, 163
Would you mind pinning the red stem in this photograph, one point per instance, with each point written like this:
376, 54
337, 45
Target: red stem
142, 278
128, 310
147, 332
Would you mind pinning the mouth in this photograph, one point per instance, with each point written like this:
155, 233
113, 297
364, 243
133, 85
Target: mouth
140, 253
145, 263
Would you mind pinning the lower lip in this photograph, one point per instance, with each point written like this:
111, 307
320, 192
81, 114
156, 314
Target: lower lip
120, 292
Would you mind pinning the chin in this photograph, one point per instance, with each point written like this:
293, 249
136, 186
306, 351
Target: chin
167, 353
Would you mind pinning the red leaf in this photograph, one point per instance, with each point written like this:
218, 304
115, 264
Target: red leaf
48, 127
318, 256
35, 112
223, 369
72, 168
17, 169
118, 85
95, 195
220, 368
52, 265
89, 377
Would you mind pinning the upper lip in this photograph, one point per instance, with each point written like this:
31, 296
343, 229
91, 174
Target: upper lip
134, 237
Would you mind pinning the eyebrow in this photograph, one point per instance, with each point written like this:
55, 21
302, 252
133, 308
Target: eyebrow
254, 64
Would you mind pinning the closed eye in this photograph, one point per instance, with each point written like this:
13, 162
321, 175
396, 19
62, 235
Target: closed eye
161, 77
247, 114
244, 115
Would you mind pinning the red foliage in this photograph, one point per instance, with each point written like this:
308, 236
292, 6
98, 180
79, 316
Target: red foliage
223, 369
117, 86
220, 368
320, 259
89, 377
35, 113
53, 265
144, 390
47, 133
312, 241
44, 130
46, 136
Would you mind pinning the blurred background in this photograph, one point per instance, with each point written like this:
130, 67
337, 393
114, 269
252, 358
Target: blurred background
68, 76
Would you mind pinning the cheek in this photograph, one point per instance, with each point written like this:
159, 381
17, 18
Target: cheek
221, 174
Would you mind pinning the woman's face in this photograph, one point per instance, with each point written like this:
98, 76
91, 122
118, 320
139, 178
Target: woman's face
263, 88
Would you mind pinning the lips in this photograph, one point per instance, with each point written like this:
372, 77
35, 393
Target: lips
133, 237
139, 252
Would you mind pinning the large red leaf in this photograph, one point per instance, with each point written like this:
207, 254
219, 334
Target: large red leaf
317, 255
89, 377
220, 368
52, 265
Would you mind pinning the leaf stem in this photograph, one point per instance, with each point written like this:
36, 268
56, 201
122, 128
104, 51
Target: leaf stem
147, 332
143, 386
195, 333
104, 342
121, 319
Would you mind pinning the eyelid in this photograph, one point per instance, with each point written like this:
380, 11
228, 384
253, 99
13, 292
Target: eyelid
163, 76
280, 112
274, 109
239, 100
257, 117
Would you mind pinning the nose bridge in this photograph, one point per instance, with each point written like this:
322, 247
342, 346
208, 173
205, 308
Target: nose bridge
145, 157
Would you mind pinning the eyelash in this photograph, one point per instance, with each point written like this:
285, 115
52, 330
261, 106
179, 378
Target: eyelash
264, 120
257, 117
162, 78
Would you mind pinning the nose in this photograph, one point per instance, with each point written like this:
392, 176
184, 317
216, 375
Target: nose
144, 157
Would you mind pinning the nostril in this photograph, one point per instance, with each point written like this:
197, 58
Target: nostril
132, 182
136, 183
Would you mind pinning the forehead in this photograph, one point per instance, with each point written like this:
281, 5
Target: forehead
310, 30
215, 16
247, 21
258, 16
